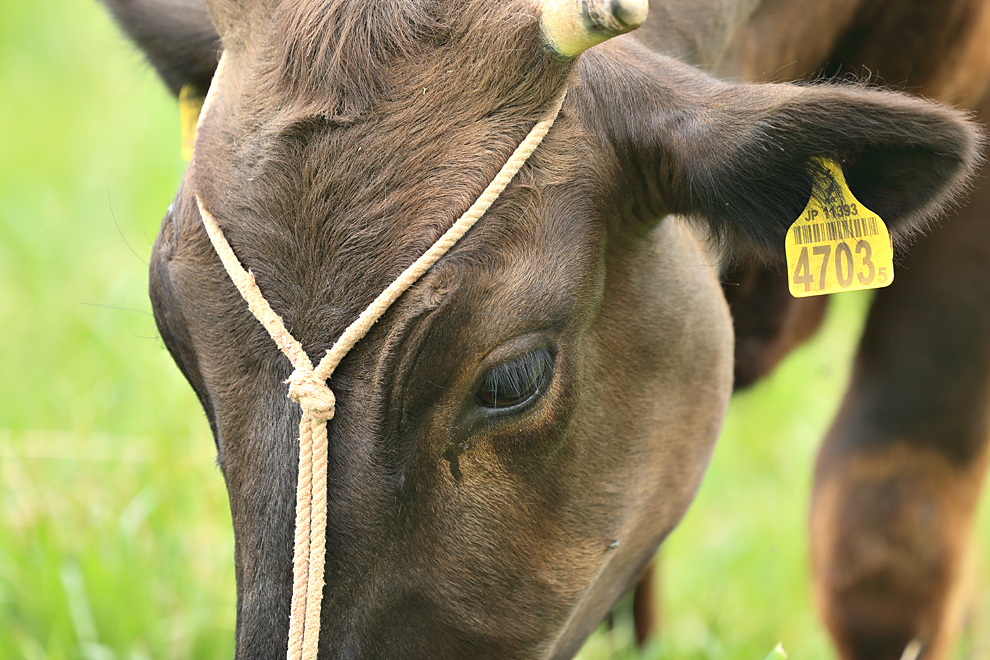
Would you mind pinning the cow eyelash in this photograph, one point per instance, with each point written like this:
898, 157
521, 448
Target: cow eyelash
516, 382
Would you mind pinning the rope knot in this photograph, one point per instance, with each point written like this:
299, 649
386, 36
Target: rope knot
312, 394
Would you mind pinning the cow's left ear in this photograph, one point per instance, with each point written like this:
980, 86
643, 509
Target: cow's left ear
742, 158
176, 36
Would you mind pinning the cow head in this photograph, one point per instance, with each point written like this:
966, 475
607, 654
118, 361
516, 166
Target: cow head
523, 427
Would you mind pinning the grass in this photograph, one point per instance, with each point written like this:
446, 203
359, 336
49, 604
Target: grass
114, 533
115, 537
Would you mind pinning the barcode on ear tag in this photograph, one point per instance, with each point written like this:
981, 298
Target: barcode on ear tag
837, 244
190, 105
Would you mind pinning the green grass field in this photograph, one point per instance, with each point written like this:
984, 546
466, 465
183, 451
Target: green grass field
115, 539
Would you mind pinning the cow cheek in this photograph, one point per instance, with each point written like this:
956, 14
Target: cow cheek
660, 358
667, 355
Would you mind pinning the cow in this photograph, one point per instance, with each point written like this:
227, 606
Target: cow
518, 433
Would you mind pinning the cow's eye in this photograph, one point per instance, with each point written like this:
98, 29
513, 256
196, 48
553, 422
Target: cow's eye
518, 381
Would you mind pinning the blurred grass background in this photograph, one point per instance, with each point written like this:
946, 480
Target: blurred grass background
115, 538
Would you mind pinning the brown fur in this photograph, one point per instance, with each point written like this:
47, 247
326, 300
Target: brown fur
891, 558
345, 137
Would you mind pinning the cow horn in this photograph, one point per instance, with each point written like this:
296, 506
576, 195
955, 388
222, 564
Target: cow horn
571, 27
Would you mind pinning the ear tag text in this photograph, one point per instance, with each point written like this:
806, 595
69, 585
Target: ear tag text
190, 105
837, 244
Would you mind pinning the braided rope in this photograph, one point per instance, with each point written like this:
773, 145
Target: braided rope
308, 387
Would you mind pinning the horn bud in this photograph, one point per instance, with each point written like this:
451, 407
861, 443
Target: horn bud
571, 27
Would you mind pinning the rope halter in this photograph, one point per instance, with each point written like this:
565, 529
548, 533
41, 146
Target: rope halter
308, 386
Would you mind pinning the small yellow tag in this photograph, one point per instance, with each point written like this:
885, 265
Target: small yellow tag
190, 105
839, 245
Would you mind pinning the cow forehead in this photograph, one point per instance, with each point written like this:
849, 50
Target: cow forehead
322, 142
332, 164
326, 216
339, 58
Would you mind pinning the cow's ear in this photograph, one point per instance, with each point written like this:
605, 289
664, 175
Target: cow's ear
177, 37
742, 158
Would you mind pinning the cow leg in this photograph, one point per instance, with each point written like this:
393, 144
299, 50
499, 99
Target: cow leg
645, 615
900, 472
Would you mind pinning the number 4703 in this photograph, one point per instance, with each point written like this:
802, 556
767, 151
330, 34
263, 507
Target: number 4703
841, 263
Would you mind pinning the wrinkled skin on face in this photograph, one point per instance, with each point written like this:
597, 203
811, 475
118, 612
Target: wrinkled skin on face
343, 139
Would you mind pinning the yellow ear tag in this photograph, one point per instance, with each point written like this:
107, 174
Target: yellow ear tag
837, 244
190, 105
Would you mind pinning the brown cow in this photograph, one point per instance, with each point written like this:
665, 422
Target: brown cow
900, 473
522, 429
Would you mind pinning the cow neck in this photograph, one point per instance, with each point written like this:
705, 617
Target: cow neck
308, 386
